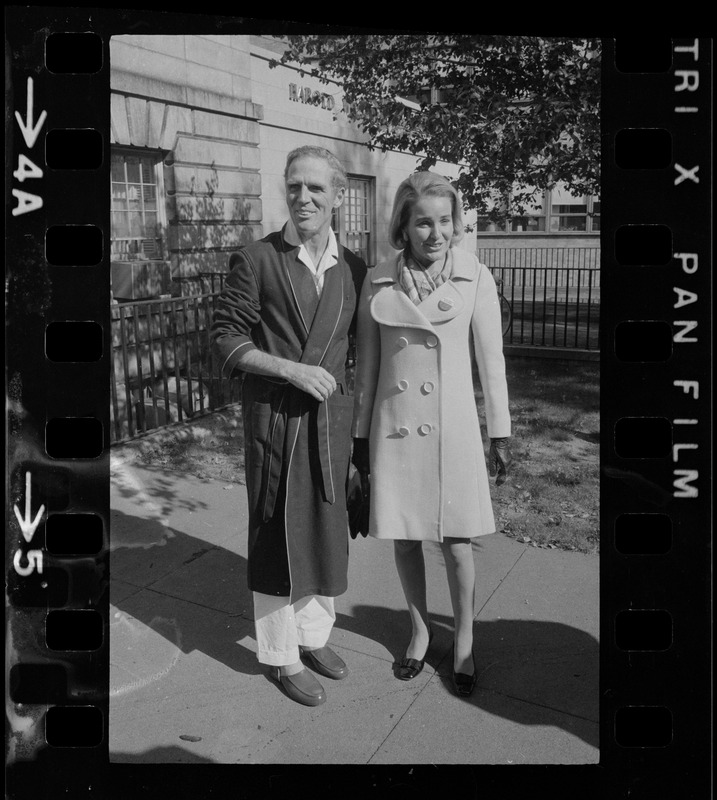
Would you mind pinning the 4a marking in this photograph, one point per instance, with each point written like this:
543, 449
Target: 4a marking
27, 169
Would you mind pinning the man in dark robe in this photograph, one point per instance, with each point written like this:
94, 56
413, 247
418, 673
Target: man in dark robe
283, 321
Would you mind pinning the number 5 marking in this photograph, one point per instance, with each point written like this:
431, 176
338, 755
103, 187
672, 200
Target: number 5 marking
34, 560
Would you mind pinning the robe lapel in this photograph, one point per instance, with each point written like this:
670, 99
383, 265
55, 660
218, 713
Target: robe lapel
328, 314
289, 262
326, 321
319, 334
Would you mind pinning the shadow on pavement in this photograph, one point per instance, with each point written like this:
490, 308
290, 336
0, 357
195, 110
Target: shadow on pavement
196, 598
527, 670
161, 755
161, 492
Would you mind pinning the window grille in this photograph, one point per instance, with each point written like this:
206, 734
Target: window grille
353, 220
137, 207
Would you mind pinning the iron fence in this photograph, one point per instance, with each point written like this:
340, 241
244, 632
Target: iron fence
163, 370
553, 295
201, 283
162, 366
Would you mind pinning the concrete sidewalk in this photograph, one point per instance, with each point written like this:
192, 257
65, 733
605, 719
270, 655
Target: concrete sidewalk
185, 685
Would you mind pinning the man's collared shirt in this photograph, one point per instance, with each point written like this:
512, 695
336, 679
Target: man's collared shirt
329, 258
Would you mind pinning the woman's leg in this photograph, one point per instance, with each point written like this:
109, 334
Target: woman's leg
460, 569
412, 573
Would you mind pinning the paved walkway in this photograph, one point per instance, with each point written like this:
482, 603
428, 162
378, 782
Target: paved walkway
185, 685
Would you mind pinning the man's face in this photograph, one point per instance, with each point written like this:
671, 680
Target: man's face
311, 196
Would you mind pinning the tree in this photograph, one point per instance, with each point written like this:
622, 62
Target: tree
516, 114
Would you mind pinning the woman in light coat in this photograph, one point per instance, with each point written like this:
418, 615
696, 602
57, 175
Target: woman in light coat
416, 427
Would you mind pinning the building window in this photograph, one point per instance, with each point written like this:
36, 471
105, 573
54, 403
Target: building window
557, 211
138, 218
573, 214
594, 219
353, 220
533, 221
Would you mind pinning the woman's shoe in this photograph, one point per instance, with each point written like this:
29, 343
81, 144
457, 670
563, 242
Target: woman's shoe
302, 686
463, 684
410, 667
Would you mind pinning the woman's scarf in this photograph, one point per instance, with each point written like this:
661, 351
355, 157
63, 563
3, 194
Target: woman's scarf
418, 282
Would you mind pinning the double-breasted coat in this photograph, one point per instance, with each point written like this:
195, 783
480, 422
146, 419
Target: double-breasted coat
297, 450
414, 401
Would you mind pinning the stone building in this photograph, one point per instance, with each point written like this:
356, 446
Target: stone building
200, 129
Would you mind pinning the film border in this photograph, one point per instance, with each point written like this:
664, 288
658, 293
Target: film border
40, 391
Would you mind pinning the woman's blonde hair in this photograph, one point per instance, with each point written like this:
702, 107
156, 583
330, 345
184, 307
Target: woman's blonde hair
422, 184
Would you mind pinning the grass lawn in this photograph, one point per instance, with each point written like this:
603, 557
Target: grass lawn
551, 498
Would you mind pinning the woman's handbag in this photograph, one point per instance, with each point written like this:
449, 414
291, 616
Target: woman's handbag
357, 502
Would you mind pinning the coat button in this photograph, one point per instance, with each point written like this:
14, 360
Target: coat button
425, 429
446, 304
404, 431
403, 342
403, 385
431, 341
428, 387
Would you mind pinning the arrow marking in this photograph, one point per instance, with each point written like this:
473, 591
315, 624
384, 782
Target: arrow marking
28, 525
30, 131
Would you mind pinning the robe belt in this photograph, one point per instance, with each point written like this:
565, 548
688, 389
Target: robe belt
285, 417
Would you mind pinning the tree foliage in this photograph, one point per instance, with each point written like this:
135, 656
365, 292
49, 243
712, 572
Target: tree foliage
517, 114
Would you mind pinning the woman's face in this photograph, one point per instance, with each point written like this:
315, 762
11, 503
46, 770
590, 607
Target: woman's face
430, 229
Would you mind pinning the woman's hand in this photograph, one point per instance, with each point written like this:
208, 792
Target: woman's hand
360, 459
499, 459
359, 456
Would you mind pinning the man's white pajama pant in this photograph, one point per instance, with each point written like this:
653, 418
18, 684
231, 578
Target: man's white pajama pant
282, 626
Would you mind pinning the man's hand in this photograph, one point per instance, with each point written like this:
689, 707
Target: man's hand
499, 459
315, 381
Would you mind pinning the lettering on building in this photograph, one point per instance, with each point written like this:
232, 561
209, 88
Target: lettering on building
311, 97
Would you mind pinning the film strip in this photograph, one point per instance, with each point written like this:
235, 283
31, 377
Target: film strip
655, 416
